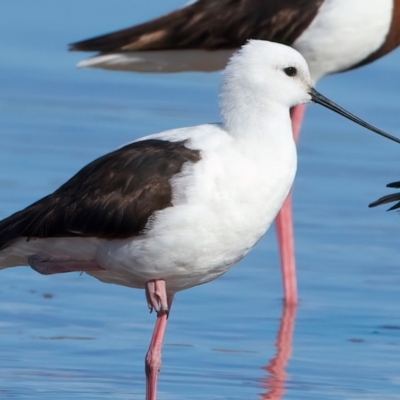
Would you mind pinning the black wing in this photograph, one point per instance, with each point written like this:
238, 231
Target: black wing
212, 25
389, 198
112, 197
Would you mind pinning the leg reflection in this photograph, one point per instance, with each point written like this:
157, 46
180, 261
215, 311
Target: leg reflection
275, 382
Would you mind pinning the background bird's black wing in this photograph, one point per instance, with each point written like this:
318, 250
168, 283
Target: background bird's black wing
389, 198
112, 197
212, 25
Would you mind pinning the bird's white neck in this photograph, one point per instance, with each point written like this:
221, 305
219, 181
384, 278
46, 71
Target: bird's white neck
257, 120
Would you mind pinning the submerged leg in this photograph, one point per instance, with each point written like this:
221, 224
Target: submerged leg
47, 265
157, 299
284, 228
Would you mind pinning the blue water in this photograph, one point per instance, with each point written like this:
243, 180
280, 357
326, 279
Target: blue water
71, 336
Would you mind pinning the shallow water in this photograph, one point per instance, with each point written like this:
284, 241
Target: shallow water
70, 336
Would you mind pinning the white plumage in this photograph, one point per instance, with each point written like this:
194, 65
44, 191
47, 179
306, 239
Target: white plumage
222, 204
344, 33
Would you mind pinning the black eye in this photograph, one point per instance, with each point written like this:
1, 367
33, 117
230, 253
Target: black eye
290, 71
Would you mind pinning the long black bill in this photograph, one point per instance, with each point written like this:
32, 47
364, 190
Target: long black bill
319, 99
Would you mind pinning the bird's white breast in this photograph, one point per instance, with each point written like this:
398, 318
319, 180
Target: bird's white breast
344, 33
222, 206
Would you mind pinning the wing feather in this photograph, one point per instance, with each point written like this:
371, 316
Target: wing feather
112, 197
212, 25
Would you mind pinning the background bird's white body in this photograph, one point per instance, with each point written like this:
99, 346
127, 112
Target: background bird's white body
337, 40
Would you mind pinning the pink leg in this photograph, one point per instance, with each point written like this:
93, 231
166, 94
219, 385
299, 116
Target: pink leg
48, 265
284, 227
297, 114
157, 299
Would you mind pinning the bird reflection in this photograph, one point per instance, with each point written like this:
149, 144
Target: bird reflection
276, 379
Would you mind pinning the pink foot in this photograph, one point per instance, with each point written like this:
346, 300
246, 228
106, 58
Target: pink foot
48, 265
157, 299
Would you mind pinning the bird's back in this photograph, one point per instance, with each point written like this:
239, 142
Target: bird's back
333, 35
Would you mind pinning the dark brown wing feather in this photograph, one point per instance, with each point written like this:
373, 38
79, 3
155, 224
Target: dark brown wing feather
389, 198
212, 25
112, 197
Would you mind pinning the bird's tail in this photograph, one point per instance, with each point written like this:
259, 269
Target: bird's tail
390, 198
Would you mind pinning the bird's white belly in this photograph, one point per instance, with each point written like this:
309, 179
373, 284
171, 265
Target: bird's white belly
206, 231
183, 256
343, 33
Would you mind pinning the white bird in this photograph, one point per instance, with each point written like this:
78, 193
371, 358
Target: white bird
332, 35
179, 208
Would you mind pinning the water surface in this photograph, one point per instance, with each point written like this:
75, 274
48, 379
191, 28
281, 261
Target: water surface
70, 336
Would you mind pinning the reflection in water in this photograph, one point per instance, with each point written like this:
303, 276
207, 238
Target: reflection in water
275, 381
